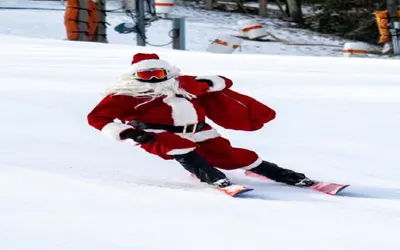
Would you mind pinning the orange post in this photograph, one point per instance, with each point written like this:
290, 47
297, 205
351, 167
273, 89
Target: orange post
382, 20
71, 19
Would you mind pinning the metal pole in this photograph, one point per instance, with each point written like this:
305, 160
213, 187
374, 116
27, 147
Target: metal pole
83, 20
141, 32
394, 25
209, 4
179, 33
262, 7
101, 33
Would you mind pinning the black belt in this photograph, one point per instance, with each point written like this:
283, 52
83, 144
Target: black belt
187, 129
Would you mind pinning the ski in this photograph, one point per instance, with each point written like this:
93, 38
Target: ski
324, 187
233, 190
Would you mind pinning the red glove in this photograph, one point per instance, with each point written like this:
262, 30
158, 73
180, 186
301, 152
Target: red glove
192, 86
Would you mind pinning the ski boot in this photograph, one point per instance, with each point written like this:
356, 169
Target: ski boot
199, 167
278, 174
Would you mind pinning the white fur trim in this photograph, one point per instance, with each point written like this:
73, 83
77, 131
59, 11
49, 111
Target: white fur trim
150, 64
183, 111
113, 129
218, 82
180, 151
205, 135
254, 164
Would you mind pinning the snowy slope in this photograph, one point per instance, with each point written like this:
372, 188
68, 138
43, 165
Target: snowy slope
64, 186
203, 27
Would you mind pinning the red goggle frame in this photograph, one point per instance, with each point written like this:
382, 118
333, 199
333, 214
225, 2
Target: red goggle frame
153, 73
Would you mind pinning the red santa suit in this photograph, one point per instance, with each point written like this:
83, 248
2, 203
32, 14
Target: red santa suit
169, 103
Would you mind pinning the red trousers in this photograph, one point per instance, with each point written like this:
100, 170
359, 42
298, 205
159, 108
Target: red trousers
216, 150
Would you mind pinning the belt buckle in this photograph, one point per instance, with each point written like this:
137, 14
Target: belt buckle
186, 127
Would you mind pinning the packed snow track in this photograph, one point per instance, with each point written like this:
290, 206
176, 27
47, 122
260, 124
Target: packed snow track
64, 186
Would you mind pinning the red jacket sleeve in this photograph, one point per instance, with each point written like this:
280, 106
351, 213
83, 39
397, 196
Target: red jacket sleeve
219, 83
103, 116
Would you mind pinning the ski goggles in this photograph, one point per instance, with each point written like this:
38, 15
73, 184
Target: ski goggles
147, 75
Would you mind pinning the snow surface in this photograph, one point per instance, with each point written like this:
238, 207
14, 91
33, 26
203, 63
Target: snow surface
64, 186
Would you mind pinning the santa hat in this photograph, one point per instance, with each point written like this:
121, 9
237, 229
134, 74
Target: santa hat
142, 61
142, 56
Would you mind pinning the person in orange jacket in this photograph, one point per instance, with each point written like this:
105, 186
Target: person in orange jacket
165, 113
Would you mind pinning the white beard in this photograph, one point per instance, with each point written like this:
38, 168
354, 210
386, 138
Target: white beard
128, 85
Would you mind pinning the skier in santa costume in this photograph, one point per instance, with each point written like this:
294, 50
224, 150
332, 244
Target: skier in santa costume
164, 112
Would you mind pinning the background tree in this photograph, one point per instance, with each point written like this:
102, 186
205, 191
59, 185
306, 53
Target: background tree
348, 19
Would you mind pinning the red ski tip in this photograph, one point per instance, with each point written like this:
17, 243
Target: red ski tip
234, 190
252, 174
324, 187
329, 188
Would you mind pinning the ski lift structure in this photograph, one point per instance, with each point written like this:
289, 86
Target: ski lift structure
85, 20
148, 11
144, 12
